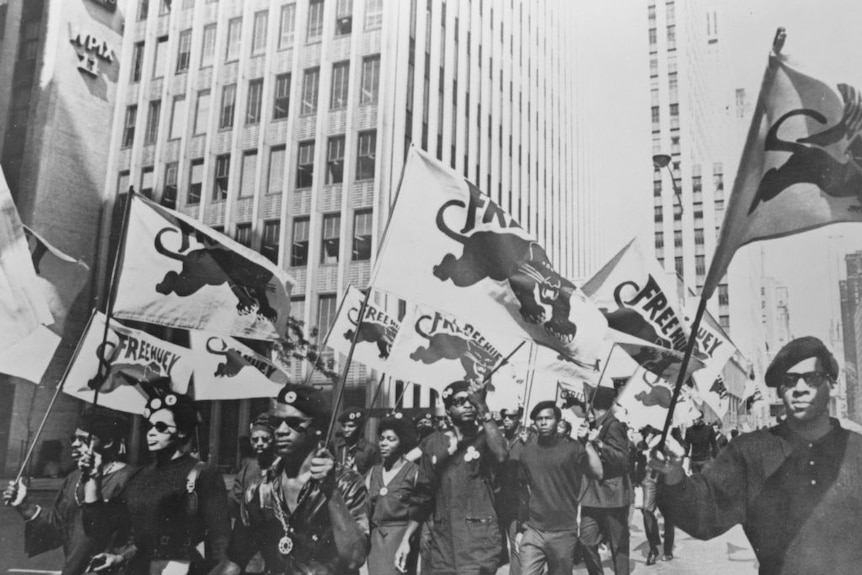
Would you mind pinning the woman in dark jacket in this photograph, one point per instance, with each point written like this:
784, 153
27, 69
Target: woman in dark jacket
172, 505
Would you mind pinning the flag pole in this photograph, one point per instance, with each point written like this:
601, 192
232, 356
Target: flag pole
112, 290
329, 331
601, 376
689, 349
502, 363
528, 385
373, 401
339, 392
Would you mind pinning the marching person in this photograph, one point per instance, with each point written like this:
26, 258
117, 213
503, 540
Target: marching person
649, 485
351, 448
307, 513
172, 505
99, 429
605, 502
394, 501
552, 467
701, 444
425, 424
509, 490
795, 487
465, 537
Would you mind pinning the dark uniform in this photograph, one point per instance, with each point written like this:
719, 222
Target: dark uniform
360, 456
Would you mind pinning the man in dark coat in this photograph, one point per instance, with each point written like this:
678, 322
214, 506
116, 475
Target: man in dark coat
795, 487
351, 448
605, 502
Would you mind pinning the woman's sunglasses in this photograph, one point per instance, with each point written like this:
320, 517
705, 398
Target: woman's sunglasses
160, 426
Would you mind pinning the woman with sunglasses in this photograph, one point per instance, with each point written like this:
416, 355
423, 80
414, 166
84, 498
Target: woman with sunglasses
172, 505
394, 501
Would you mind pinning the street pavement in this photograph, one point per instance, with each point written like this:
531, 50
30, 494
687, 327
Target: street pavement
729, 554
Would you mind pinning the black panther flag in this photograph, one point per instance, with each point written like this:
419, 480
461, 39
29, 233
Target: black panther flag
180, 273
452, 248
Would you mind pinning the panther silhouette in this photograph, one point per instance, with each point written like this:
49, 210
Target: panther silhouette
718, 387
372, 332
814, 165
233, 359
475, 361
112, 375
522, 263
214, 265
657, 395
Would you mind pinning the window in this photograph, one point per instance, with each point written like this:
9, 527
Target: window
129, 126
365, 158
698, 237
699, 265
370, 79
331, 243
309, 91
653, 37
147, 182
160, 57
255, 95
653, 66
326, 310
281, 104
277, 156
202, 112
374, 14
165, 7
249, 166
271, 240
335, 160
222, 177
143, 9
718, 176
208, 49
723, 297
340, 81
137, 61
184, 52
677, 238
178, 117
123, 182
305, 165
228, 103
169, 195
196, 182
153, 122
655, 118
678, 265
671, 37
234, 31
258, 36
242, 235
315, 20
286, 26
362, 222
659, 240
299, 245
343, 17
297, 307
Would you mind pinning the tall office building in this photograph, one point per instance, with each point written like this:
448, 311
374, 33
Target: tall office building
285, 124
59, 65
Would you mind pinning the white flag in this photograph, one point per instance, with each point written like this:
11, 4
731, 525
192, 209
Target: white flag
377, 330
180, 273
645, 400
450, 247
133, 357
435, 349
715, 350
227, 369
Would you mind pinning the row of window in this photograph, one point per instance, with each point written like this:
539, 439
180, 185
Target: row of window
330, 239
286, 30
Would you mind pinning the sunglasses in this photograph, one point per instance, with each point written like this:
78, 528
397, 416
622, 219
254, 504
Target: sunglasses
812, 378
159, 426
295, 423
460, 401
79, 438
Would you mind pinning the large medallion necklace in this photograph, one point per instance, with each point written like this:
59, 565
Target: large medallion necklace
285, 544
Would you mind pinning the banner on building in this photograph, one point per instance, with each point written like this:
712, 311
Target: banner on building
450, 247
224, 368
801, 167
130, 359
180, 273
377, 330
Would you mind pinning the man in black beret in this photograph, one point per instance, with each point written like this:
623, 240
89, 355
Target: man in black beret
99, 429
509, 491
351, 448
459, 465
605, 502
795, 487
307, 513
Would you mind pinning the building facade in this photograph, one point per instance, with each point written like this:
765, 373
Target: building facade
851, 322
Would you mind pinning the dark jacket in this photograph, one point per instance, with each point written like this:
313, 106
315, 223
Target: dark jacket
360, 457
615, 488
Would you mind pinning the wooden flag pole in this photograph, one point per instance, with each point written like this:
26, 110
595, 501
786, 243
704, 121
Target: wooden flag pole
528, 385
104, 366
689, 349
339, 392
601, 376
506, 359
329, 331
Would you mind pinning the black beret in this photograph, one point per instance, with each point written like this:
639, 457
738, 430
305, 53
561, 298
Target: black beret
182, 406
104, 423
547, 404
509, 411
454, 389
422, 415
352, 414
400, 425
261, 422
799, 350
603, 397
309, 400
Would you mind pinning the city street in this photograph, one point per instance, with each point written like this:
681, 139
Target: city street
729, 554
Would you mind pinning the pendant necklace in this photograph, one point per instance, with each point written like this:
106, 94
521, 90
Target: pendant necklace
285, 544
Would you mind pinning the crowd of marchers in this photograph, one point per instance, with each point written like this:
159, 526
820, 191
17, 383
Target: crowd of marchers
464, 494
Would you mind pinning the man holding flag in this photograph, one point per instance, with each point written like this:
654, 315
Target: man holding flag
795, 488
